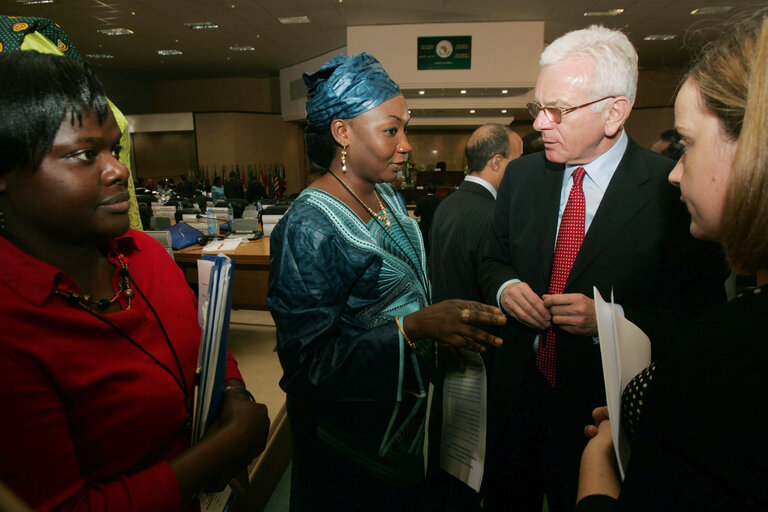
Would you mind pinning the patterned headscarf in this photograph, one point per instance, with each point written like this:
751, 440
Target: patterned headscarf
345, 87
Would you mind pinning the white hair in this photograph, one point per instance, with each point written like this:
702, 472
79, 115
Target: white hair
615, 71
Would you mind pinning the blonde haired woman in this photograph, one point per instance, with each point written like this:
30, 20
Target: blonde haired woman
697, 419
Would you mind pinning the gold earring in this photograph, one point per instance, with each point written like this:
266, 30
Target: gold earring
344, 160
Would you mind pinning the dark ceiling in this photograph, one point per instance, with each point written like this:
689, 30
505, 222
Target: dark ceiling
159, 25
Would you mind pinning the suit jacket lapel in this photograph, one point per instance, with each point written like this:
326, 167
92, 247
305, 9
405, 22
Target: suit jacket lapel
546, 206
621, 201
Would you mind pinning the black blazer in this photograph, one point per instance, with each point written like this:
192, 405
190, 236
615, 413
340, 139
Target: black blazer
459, 231
638, 245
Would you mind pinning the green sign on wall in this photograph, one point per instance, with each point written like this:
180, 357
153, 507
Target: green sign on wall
446, 52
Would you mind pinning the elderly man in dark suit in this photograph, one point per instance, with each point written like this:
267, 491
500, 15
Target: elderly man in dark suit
459, 232
594, 209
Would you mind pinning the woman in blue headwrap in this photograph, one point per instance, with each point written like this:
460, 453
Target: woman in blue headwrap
349, 293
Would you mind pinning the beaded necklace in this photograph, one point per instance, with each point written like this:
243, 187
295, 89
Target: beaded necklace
85, 301
94, 308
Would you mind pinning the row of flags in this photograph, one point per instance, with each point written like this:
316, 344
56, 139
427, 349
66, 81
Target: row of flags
271, 176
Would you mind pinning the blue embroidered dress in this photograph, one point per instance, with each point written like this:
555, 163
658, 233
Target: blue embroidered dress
356, 392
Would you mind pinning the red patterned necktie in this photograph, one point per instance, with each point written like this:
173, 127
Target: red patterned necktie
569, 240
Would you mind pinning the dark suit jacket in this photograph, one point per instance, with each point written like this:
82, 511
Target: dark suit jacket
638, 245
459, 231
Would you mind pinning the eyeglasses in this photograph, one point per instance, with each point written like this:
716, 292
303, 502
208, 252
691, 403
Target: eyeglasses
555, 114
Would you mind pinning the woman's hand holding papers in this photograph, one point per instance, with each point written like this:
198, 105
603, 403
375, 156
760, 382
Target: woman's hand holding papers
237, 437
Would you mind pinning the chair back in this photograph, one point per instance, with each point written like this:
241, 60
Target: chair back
251, 212
164, 237
159, 223
239, 225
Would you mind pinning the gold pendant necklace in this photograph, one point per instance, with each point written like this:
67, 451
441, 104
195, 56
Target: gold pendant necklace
382, 216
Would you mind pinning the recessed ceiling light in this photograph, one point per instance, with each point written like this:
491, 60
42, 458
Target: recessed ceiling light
703, 11
169, 52
503, 111
242, 48
34, 2
115, 31
292, 20
422, 92
99, 56
200, 25
472, 111
463, 91
504, 91
609, 12
659, 37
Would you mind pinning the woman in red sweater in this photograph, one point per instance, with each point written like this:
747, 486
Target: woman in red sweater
99, 343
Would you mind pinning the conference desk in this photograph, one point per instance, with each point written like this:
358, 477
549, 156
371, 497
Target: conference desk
249, 290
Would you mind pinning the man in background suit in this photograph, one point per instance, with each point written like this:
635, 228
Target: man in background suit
593, 182
233, 187
458, 235
462, 219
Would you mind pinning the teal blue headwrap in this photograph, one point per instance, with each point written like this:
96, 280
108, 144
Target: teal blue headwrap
345, 87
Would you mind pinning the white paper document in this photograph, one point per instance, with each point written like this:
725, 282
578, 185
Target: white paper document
462, 446
222, 245
625, 351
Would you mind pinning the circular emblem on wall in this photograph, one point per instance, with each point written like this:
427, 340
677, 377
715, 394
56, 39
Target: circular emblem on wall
18, 27
61, 46
444, 49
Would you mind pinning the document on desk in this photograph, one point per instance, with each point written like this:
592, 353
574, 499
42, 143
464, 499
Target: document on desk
222, 245
625, 351
462, 446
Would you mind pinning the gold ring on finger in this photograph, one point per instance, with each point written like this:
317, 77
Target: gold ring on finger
465, 315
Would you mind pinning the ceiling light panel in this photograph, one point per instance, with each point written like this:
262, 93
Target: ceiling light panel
704, 11
201, 25
293, 20
609, 12
169, 52
115, 31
